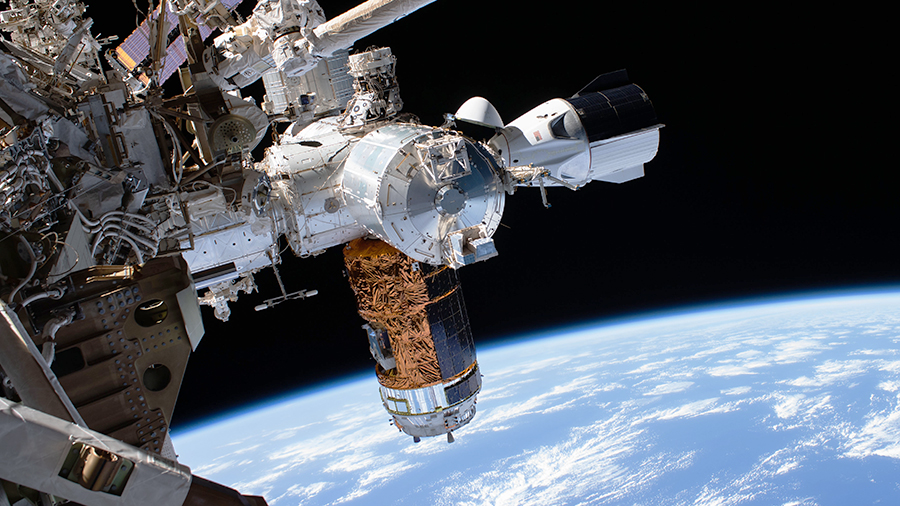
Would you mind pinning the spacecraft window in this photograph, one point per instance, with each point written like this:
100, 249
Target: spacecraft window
151, 313
565, 126
157, 377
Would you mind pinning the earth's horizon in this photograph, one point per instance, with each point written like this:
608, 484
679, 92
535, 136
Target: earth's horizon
790, 400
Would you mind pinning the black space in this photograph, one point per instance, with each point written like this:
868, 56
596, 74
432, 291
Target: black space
772, 177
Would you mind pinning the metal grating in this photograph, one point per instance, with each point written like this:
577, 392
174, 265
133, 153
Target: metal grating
341, 81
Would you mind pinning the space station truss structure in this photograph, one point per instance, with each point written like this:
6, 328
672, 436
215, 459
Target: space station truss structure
124, 208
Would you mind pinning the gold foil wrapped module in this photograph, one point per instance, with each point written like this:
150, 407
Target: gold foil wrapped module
391, 294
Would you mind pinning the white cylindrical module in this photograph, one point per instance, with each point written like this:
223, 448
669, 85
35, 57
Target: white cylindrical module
304, 171
434, 410
415, 186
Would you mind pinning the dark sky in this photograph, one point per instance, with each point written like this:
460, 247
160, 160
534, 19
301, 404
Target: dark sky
772, 177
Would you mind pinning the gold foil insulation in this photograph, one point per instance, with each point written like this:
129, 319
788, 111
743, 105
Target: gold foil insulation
392, 295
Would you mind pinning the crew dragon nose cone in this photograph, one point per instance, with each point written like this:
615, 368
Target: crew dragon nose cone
479, 111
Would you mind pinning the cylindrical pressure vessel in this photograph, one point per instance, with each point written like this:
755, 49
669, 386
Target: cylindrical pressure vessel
414, 187
419, 333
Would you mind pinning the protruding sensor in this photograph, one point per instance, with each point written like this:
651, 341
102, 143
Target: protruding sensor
605, 132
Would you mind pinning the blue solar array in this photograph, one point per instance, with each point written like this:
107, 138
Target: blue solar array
136, 46
453, 343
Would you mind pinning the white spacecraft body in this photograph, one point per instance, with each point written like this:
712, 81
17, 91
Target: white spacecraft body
552, 136
429, 192
597, 135
305, 173
321, 92
118, 204
418, 188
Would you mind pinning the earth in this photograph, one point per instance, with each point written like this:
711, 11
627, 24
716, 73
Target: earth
789, 402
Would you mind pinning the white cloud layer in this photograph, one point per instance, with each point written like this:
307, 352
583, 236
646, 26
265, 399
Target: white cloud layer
725, 408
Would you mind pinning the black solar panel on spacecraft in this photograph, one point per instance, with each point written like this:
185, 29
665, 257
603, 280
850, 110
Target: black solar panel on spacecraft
439, 280
465, 388
609, 113
452, 336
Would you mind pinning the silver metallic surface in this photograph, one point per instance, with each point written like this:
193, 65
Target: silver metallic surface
400, 190
426, 412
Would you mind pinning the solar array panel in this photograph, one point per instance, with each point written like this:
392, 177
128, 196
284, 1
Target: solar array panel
135, 49
453, 343
464, 389
609, 113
